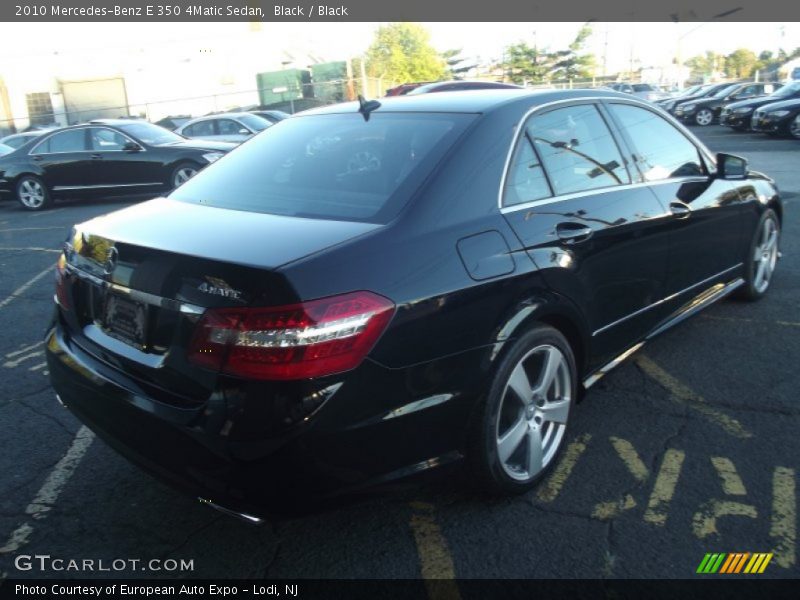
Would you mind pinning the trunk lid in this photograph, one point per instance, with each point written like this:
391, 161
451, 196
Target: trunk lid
139, 280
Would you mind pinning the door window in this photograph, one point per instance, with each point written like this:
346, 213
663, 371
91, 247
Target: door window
203, 128
73, 140
106, 139
526, 181
577, 149
661, 150
229, 127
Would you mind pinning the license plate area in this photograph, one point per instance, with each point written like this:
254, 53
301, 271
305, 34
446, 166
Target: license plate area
125, 320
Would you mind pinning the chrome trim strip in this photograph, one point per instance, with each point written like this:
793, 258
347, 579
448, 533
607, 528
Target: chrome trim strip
145, 297
705, 303
666, 299
593, 192
98, 186
252, 519
518, 129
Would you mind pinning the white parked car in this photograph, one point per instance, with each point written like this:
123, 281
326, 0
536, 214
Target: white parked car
224, 127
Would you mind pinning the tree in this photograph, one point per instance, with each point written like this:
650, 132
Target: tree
457, 65
402, 52
705, 65
741, 63
524, 64
572, 63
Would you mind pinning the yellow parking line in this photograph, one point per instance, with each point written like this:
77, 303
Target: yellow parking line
731, 482
683, 394
436, 564
704, 522
631, 458
664, 487
784, 516
551, 488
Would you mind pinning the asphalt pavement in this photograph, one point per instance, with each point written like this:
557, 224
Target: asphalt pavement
689, 448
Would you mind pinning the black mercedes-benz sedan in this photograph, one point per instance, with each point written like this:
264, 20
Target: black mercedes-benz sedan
704, 111
106, 157
371, 290
739, 115
778, 118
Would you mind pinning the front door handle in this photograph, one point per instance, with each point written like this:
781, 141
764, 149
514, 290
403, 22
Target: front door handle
679, 209
96, 156
572, 233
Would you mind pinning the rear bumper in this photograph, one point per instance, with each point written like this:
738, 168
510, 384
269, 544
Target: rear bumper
341, 449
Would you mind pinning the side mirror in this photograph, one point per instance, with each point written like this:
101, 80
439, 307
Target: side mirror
131, 147
730, 166
244, 131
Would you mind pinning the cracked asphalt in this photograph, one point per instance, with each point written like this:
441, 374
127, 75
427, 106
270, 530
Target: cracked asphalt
637, 494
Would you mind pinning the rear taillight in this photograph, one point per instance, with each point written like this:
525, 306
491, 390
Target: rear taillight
299, 341
62, 295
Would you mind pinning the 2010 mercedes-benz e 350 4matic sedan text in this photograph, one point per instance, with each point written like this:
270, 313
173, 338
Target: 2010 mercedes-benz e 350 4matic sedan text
373, 289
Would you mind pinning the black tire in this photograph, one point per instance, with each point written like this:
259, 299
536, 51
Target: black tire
178, 173
755, 288
32, 193
498, 408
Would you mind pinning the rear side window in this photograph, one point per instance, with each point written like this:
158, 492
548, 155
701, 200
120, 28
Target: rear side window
73, 140
576, 149
335, 166
661, 150
526, 181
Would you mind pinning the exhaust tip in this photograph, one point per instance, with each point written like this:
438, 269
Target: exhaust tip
251, 519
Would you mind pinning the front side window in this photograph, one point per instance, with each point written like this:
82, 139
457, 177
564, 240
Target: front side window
334, 166
254, 123
661, 150
229, 127
73, 140
577, 149
201, 128
106, 139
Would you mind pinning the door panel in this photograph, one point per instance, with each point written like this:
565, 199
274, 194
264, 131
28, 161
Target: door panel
114, 167
64, 159
596, 238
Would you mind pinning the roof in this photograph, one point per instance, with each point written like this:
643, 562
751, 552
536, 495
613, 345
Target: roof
473, 101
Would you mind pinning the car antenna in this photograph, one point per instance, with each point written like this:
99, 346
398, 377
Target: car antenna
365, 107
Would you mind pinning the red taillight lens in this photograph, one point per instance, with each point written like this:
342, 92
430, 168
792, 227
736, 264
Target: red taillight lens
62, 296
300, 341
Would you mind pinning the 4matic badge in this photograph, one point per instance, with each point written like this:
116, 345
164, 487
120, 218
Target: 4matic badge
219, 287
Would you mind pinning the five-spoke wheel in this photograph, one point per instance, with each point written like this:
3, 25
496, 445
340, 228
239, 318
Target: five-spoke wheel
32, 193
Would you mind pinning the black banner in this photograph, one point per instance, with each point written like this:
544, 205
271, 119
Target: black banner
403, 10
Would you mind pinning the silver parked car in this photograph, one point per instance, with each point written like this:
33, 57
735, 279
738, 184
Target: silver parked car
645, 91
224, 127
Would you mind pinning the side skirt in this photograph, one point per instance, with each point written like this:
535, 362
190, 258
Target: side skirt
704, 300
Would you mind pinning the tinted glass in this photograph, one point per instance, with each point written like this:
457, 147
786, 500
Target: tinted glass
5, 149
201, 128
525, 181
16, 142
726, 90
662, 151
329, 166
255, 123
106, 139
73, 140
150, 134
577, 149
787, 90
228, 127
643, 87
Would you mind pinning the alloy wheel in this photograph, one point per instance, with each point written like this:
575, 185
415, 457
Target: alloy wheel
32, 193
183, 175
533, 412
704, 117
765, 255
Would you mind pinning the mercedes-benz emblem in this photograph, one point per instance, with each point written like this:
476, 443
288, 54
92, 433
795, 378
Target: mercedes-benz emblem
111, 260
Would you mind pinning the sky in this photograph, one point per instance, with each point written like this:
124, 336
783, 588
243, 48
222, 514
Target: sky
650, 44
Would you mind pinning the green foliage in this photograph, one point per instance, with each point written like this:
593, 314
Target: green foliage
741, 63
402, 52
526, 64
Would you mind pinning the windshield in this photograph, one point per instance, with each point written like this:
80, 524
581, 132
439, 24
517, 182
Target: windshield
643, 87
787, 90
337, 166
254, 123
5, 149
151, 134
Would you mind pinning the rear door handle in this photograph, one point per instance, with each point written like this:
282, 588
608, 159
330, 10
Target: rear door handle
679, 209
572, 233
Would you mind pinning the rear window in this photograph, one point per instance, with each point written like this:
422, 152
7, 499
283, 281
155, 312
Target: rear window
338, 166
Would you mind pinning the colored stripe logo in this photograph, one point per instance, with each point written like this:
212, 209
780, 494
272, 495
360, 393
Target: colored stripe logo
734, 563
